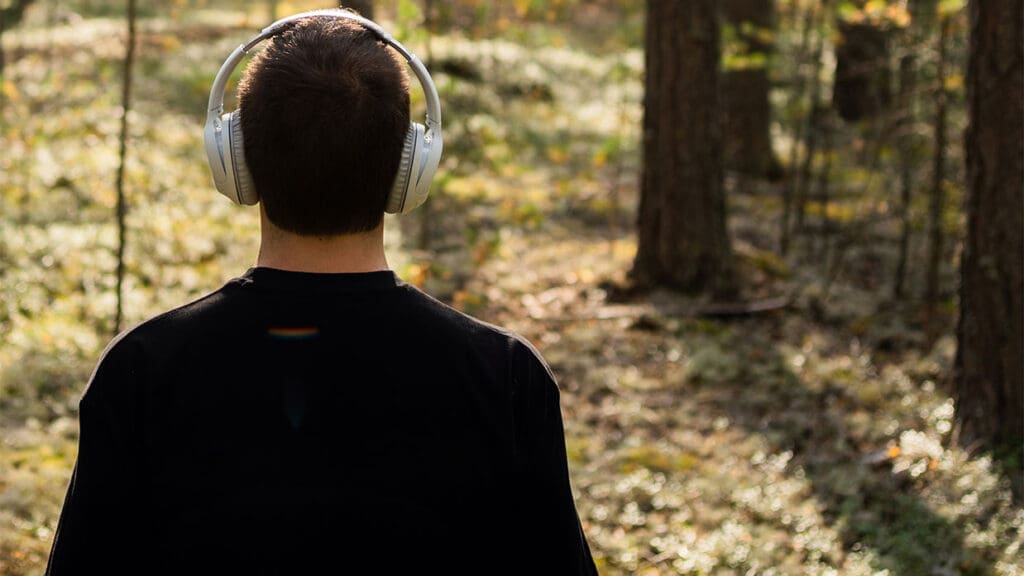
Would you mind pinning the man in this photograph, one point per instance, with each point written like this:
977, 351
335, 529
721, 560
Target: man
318, 414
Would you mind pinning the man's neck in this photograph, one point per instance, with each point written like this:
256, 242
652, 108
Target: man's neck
361, 252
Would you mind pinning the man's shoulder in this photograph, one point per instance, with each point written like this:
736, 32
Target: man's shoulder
446, 317
173, 321
130, 351
477, 333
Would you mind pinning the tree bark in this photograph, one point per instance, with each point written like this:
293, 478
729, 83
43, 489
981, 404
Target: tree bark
683, 242
122, 202
363, 7
746, 111
989, 372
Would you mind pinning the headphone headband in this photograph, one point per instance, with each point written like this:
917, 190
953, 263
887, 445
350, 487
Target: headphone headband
216, 105
224, 139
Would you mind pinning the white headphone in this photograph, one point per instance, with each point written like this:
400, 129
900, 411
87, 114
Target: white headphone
420, 155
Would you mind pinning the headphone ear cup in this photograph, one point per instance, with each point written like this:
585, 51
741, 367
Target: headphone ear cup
238, 174
404, 181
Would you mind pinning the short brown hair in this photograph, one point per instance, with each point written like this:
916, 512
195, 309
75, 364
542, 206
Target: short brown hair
325, 110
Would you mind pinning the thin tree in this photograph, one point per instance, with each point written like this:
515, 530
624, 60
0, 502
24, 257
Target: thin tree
683, 241
937, 198
426, 211
122, 203
989, 370
789, 189
814, 128
907, 77
923, 15
823, 193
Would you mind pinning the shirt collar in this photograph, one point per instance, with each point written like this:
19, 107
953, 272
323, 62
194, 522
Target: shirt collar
262, 277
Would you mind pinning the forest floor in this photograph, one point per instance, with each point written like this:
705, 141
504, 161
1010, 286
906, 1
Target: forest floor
814, 438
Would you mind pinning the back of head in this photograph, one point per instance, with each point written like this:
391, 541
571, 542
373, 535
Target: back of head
324, 111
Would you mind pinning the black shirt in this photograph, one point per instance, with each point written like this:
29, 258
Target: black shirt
292, 423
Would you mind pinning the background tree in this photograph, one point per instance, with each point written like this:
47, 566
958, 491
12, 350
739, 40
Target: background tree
861, 88
990, 357
9, 17
813, 15
814, 129
746, 110
683, 242
937, 196
122, 201
12, 14
905, 123
364, 7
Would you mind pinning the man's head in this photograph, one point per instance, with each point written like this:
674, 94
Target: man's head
324, 111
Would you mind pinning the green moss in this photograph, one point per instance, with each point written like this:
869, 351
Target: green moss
657, 460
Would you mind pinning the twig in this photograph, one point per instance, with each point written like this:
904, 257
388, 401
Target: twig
712, 310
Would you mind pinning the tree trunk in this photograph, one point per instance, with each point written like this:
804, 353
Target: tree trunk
990, 355
746, 111
363, 7
683, 242
122, 203
937, 199
862, 71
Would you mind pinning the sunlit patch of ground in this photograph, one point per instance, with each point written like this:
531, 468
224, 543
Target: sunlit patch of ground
772, 444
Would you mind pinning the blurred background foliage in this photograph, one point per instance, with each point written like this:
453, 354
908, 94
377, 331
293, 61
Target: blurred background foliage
814, 439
